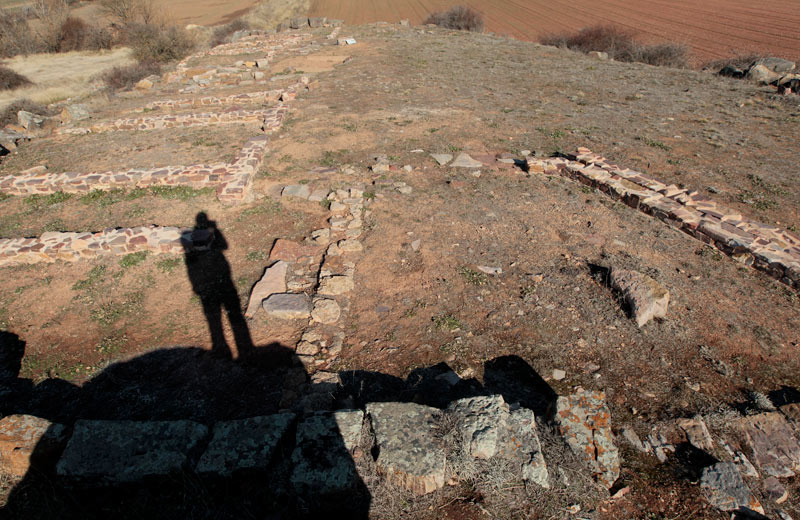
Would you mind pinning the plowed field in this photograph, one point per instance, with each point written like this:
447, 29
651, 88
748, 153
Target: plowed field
712, 28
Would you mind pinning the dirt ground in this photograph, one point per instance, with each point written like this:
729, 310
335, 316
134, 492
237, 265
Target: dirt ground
404, 90
713, 30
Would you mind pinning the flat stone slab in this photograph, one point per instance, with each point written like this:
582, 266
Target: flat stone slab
725, 489
288, 306
128, 451
335, 285
322, 461
772, 441
647, 298
465, 161
585, 422
301, 191
273, 281
326, 311
409, 455
697, 433
442, 158
244, 444
23, 435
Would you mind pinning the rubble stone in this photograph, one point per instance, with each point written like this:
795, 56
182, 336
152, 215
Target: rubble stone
646, 297
724, 488
26, 440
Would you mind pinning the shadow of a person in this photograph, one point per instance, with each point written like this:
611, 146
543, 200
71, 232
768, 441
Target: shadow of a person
210, 275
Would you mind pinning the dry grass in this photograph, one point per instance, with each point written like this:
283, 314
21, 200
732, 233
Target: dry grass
59, 76
459, 18
9, 114
269, 13
620, 45
223, 32
157, 43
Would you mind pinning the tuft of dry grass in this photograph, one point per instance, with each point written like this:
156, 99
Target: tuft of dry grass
10, 80
620, 45
125, 77
459, 18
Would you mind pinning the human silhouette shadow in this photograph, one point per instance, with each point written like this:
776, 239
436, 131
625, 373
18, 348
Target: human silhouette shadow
210, 275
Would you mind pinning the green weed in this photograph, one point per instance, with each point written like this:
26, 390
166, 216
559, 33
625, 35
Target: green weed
133, 259
167, 265
182, 193
473, 277
446, 322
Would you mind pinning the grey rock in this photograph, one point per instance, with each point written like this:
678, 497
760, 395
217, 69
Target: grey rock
350, 246
629, 434
697, 433
724, 488
127, 451
321, 461
598, 55
288, 306
442, 158
522, 444
647, 298
72, 113
244, 444
273, 281
585, 423
774, 446
409, 454
481, 421
779, 65
318, 195
306, 348
494, 271
317, 22
465, 161
326, 311
775, 491
30, 121
301, 191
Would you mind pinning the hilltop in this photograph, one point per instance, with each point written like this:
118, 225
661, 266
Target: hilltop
314, 161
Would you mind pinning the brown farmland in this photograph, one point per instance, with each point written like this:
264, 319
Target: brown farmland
713, 29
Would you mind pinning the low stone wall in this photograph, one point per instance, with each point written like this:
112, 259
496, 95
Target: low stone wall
72, 246
181, 120
767, 248
232, 180
267, 96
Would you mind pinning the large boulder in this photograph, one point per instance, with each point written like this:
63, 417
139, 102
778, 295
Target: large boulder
409, 454
30, 121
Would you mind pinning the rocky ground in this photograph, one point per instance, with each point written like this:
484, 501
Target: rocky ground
386, 262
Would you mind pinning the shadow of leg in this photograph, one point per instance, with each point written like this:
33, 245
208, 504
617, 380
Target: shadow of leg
213, 312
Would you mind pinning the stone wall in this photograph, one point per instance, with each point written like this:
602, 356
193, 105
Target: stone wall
767, 248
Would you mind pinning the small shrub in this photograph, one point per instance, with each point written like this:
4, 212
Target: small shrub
460, 18
133, 259
126, 77
223, 32
10, 80
74, 34
620, 45
153, 43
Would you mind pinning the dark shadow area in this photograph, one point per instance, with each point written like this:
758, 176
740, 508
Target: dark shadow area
194, 384
210, 275
784, 395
